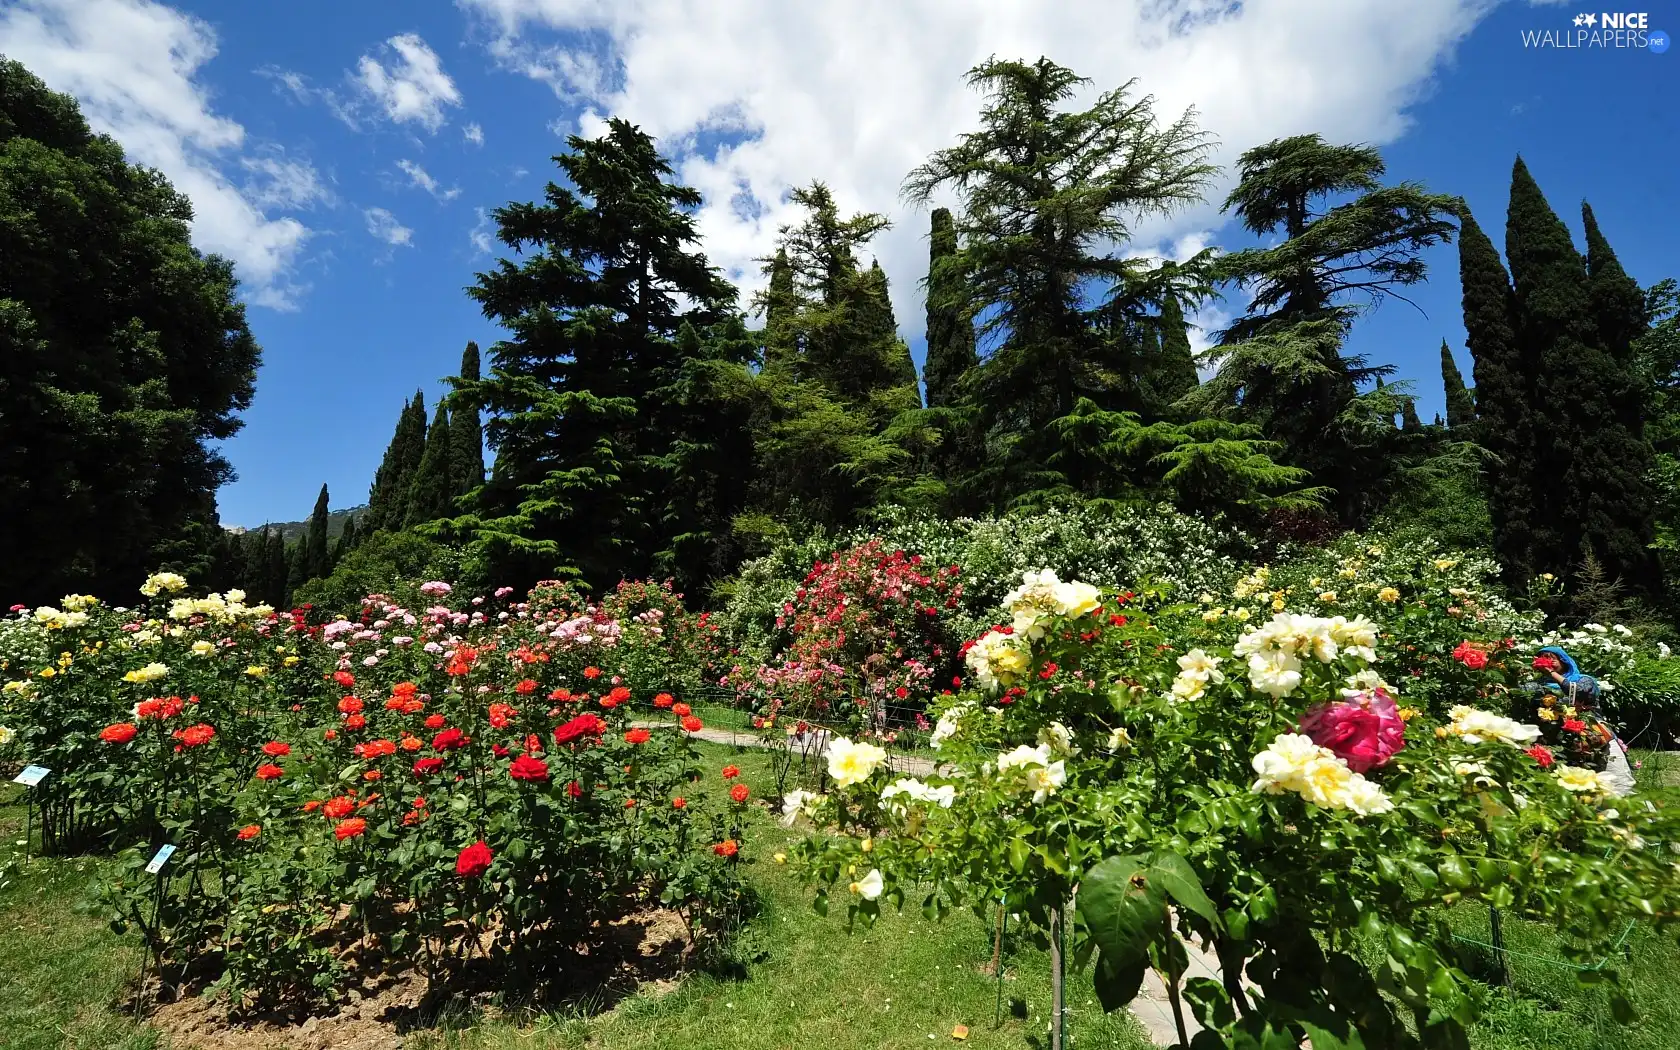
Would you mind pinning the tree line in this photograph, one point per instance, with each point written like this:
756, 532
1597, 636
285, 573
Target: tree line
644, 421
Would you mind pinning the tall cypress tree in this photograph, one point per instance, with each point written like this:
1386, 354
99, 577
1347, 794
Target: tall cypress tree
1409, 420
298, 560
1176, 375
1619, 309
388, 498
779, 303
950, 328
320, 554
346, 541
1591, 466
466, 430
1505, 401
275, 590
1461, 404
431, 492
902, 367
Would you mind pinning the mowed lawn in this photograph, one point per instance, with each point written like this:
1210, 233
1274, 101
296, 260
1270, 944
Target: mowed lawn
803, 980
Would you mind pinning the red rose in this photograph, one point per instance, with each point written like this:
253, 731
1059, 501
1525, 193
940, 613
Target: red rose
474, 861
681, 710
121, 733
527, 768
312, 805
619, 695
592, 673
692, 724
731, 772
499, 750
249, 832
461, 660
339, 806
404, 689
449, 740
1546, 662
276, 749
581, 726
424, 766
637, 736
525, 686
372, 774
574, 789
726, 848
434, 721
269, 771
501, 714
679, 803
663, 700
193, 736
1573, 725
1542, 756
349, 829
740, 792
349, 706
1470, 655
344, 678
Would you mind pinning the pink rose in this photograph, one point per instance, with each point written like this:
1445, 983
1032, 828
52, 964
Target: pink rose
1364, 731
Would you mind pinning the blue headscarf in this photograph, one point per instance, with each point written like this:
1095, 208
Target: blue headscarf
1585, 685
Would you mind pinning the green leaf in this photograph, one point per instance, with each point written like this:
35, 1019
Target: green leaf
1178, 878
1324, 1039
1124, 909
1117, 984
1019, 851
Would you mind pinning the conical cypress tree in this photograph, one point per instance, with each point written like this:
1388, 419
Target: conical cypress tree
389, 493
1177, 374
1619, 310
781, 305
274, 583
431, 492
901, 366
1409, 420
298, 560
466, 430
1461, 404
320, 554
1592, 465
1504, 398
346, 541
950, 330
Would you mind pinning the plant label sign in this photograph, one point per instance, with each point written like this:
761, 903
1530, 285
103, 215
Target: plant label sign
31, 776
159, 859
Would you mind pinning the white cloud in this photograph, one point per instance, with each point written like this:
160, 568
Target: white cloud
418, 176
278, 181
473, 134
858, 94
132, 64
480, 234
413, 86
383, 226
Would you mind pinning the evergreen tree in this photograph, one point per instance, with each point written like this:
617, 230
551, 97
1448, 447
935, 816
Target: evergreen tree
885, 329
346, 541
388, 498
275, 589
1622, 316
298, 560
1282, 364
320, 554
431, 492
1461, 403
1041, 189
779, 304
1591, 468
1177, 374
608, 274
1506, 407
1409, 420
125, 359
950, 328
466, 430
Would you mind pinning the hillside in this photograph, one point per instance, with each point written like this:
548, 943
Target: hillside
294, 530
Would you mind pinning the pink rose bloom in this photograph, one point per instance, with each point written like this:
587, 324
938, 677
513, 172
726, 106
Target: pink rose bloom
1364, 731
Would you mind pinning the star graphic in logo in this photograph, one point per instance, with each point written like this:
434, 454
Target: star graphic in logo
1592, 20
1580, 20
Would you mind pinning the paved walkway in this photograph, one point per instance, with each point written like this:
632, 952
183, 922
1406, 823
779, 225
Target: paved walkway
816, 744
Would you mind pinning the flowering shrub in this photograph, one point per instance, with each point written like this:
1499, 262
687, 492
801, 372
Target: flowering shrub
865, 629
1127, 772
415, 780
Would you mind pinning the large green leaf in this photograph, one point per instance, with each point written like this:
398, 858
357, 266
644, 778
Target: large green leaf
1124, 909
1178, 878
1117, 984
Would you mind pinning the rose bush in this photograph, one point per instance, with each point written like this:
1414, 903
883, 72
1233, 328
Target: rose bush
1130, 772
412, 781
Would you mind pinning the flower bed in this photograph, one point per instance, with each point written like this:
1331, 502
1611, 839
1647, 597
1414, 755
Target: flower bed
412, 784
1126, 771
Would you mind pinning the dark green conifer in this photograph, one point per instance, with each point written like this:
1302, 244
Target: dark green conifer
779, 303
320, 554
298, 560
431, 492
466, 430
1461, 404
1176, 375
274, 580
1409, 420
950, 329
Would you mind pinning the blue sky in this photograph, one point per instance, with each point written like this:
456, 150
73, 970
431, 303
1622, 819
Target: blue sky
345, 154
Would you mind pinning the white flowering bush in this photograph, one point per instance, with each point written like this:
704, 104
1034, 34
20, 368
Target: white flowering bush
1129, 772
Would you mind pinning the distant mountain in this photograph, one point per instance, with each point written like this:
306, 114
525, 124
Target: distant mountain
294, 530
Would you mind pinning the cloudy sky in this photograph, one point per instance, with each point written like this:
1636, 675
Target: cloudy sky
346, 156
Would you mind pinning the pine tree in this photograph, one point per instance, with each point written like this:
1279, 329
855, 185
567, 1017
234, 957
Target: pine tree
1177, 374
885, 321
388, 498
466, 430
431, 491
1506, 407
1461, 403
320, 554
1590, 465
950, 328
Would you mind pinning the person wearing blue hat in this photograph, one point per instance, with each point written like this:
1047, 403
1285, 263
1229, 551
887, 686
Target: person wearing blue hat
1581, 691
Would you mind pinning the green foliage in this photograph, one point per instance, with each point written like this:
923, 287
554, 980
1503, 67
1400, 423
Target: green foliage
466, 430
388, 499
1461, 403
431, 491
382, 563
127, 358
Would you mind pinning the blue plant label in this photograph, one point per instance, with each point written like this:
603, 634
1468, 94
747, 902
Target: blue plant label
31, 776
159, 859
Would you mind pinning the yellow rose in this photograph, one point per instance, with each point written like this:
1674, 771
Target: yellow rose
1388, 595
